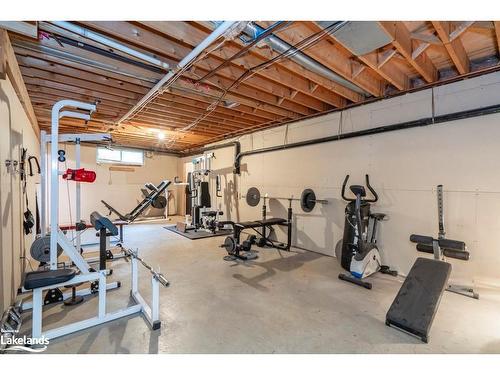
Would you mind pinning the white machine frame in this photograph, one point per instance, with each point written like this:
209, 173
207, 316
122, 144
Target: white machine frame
77, 139
151, 313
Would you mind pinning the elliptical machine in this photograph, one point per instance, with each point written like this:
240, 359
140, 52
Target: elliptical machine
358, 252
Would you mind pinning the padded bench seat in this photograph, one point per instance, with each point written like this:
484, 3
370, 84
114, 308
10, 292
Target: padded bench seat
39, 279
248, 224
65, 227
259, 223
272, 221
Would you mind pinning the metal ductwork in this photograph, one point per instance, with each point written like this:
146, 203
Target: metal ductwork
302, 59
360, 37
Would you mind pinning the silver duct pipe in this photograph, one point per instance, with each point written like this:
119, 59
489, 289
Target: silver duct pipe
302, 59
89, 34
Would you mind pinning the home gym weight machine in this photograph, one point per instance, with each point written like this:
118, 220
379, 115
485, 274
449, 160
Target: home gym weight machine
358, 252
264, 227
199, 201
53, 278
40, 248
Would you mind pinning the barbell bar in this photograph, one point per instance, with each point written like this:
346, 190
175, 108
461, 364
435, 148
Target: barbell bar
307, 199
157, 275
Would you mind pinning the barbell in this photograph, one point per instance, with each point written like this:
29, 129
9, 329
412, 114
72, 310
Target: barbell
157, 275
307, 199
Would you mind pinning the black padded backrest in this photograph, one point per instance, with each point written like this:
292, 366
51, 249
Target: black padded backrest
416, 304
99, 222
358, 190
205, 200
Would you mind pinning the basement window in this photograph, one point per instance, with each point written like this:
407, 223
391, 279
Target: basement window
120, 156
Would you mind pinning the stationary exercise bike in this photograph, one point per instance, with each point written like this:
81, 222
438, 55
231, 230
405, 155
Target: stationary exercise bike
358, 252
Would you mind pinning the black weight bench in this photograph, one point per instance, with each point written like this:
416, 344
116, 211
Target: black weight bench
263, 228
259, 223
417, 302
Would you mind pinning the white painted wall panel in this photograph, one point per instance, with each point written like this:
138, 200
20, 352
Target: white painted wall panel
404, 166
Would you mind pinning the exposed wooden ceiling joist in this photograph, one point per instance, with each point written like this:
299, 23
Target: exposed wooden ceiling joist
78, 68
454, 47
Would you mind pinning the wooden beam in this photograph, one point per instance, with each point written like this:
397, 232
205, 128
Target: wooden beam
428, 38
385, 56
16, 79
454, 47
497, 34
277, 73
460, 29
3, 56
401, 39
390, 73
40, 64
21, 27
484, 25
419, 50
257, 91
244, 95
55, 65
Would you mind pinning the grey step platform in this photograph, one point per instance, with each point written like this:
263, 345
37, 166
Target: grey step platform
416, 303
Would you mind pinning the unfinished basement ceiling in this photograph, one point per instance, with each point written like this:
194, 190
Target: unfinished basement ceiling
244, 82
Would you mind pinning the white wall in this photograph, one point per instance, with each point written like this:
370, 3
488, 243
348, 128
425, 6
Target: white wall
404, 166
16, 132
120, 189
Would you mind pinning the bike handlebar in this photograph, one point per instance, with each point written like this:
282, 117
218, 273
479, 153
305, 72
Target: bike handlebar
372, 190
374, 193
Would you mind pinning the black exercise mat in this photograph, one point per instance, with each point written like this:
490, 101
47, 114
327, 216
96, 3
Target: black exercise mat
192, 235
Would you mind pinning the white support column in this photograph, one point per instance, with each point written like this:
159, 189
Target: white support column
102, 294
43, 182
155, 299
54, 167
78, 196
54, 183
134, 275
36, 330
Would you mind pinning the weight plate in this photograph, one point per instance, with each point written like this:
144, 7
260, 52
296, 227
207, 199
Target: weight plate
160, 202
308, 200
230, 244
253, 196
40, 249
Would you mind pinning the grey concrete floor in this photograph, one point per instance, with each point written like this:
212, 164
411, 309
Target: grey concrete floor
279, 303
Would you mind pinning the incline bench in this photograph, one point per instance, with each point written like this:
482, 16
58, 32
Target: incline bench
154, 198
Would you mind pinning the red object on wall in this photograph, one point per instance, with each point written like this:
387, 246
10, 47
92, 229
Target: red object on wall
79, 175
